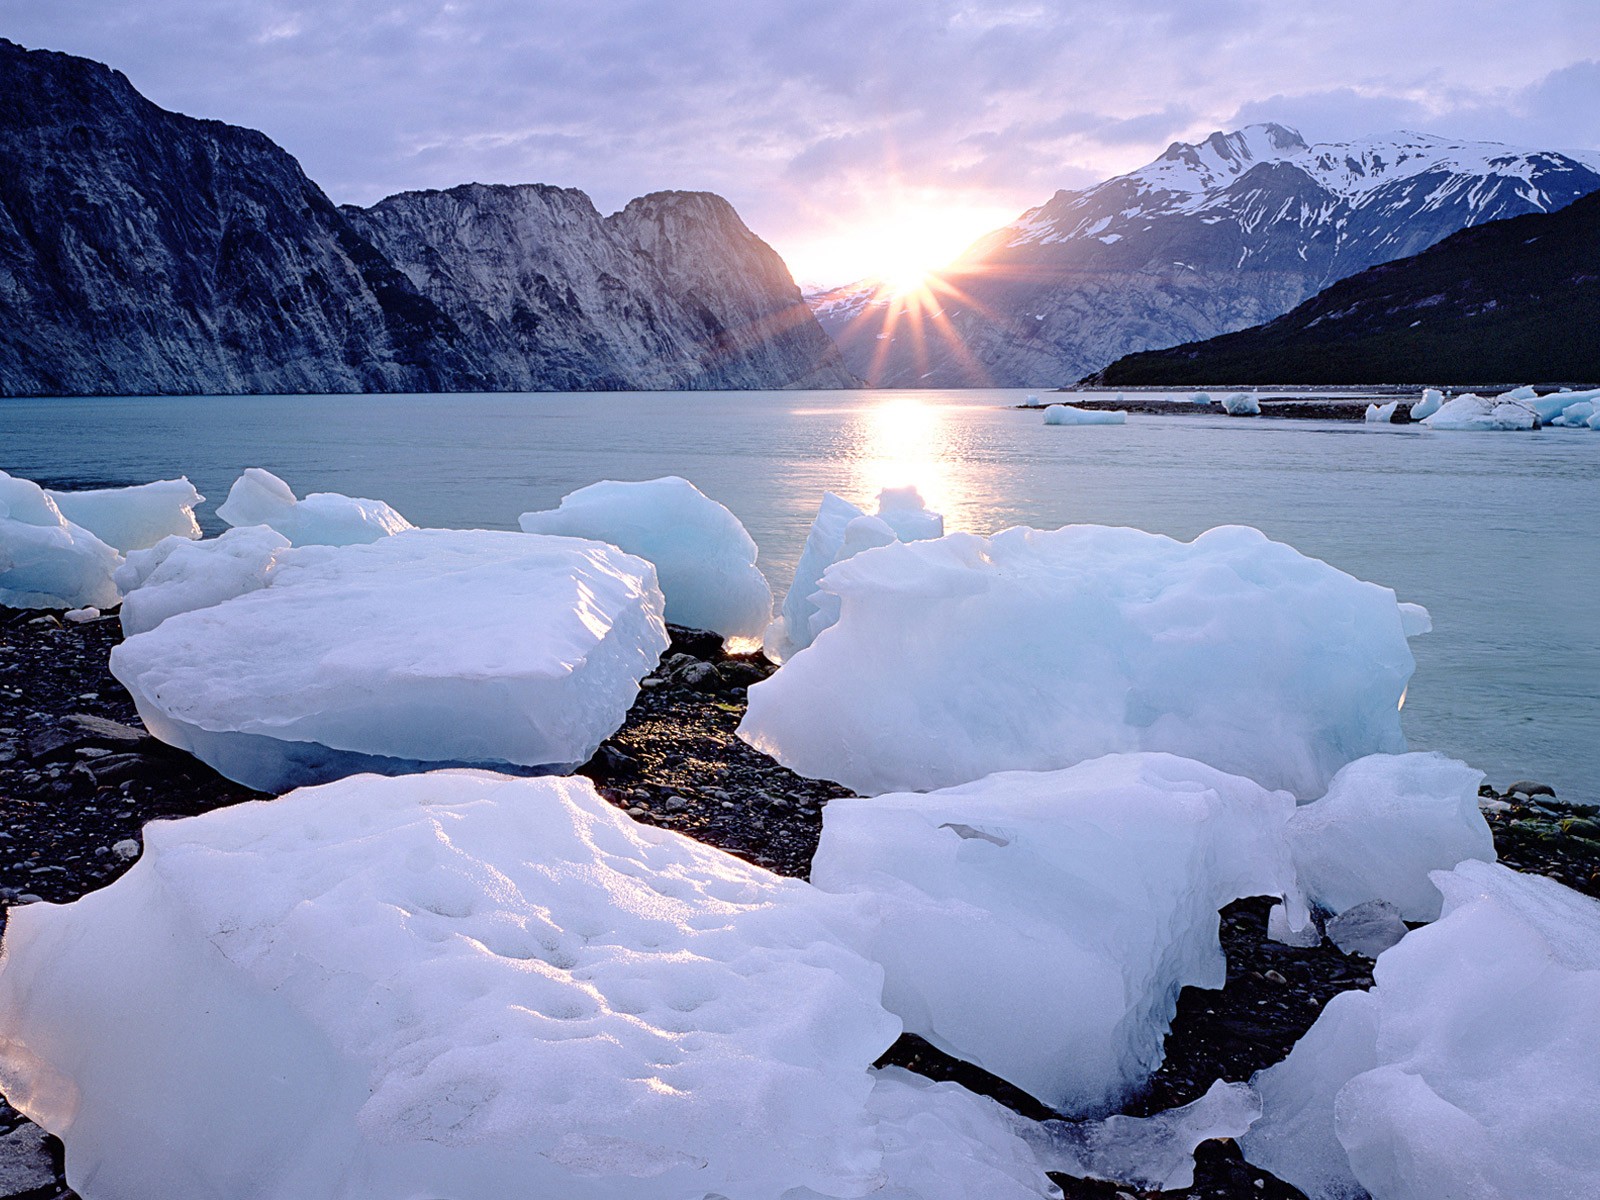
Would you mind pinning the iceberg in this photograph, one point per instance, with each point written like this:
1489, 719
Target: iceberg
1381, 414
1030, 650
704, 559
1476, 413
1432, 400
1387, 821
432, 647
1470, 1069
134, 518
1041, 924
46, 561
1241, 404
177, 575
1066, 414
259, 497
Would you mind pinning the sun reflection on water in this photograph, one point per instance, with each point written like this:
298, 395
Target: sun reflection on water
906, 441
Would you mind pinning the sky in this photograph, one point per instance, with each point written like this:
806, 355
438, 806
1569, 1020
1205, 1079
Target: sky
850, 134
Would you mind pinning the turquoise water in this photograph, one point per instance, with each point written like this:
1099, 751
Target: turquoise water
1492, 532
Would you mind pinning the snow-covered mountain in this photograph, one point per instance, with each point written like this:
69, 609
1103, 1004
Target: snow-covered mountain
1208, 238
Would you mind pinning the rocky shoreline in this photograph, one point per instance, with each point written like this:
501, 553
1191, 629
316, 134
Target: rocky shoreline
79, 778
1321, 408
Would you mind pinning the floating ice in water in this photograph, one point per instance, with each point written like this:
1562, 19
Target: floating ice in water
1471, 1069
1369, 928
259, 497
134, 518
1200, 398
956, 658
1381, 414
1041, 924
1473, 412
461, 985
428, 648
177, 575
1432, 400
1031, 402
1242, 404
1386, 822
1066, 414
45, 560
841, 531
1154, 1153
705, 560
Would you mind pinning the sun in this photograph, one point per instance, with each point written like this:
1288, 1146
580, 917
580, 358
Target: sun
900, 243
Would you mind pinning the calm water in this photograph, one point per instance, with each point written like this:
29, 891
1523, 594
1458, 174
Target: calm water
1492, 532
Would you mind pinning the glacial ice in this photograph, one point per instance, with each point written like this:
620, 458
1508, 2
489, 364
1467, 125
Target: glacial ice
1432, 400
1066, 414
177, 575
840, 531
134, 518
1033, 650
259, 497
1041, 924
1386, 822
45, 560
704, 559
1477, 413
1381, 414
1242, 404
1369, 928
432, 647
1470, 1069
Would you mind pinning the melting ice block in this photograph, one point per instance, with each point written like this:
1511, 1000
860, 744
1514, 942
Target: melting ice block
1472, 412
259, 497
1432, 401
1042, 924
956, 658
134, 518
1067, 414
45, 560
432, 647
1241, 404
705, 560
1386, 822
1381, 414
456, 984
177, 575
1471, 1068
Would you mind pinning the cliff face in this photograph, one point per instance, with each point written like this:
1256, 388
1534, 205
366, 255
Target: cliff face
142, 251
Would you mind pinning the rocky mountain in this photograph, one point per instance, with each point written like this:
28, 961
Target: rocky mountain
142, 251
1209, 238
1512, 301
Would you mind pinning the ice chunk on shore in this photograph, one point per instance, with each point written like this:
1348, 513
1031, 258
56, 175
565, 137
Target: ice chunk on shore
1432, 400
1475, 413
1032, 650
134, 518
1241, 404
433, 647
1386, 822
1042, 924
45, 560
1381, 414
461, 985
259, 497
1369, 928
1471, 1069
903, 510
177, 575
704, 559
1067, 414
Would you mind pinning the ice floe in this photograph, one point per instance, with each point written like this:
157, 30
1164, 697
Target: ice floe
1432, 400
46, 561
429, 647
134, 518
1381, 414
258, 497
704, 559
956, 658
1477, 413
1241, 404
1067, 414
177, 575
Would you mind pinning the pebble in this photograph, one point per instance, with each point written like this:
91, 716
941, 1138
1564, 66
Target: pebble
126, 848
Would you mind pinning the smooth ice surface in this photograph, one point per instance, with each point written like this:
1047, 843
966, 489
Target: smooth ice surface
705, 560
1386, 822
1066, 414
463, 985
45, 560
1032, 650
1471, 1069
1432, 400
177, 575
1041, 924
1368, 929
259, 497
1477, 413
1381, 414
134, 518
1155, 1153
1242, 404
431, 647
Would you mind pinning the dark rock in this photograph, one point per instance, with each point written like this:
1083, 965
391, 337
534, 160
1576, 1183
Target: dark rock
103, 730
1526, 787
26, 1169
697, 643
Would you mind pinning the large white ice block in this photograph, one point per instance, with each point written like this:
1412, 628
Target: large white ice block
1386, 822
432, 647
1432, 401
177, 575
1477, 413
705, 560
452, 985
134, 518
956, 658
1471, 1069
1067, 414
1042, 924
45, 560
1241, 404
259, 497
